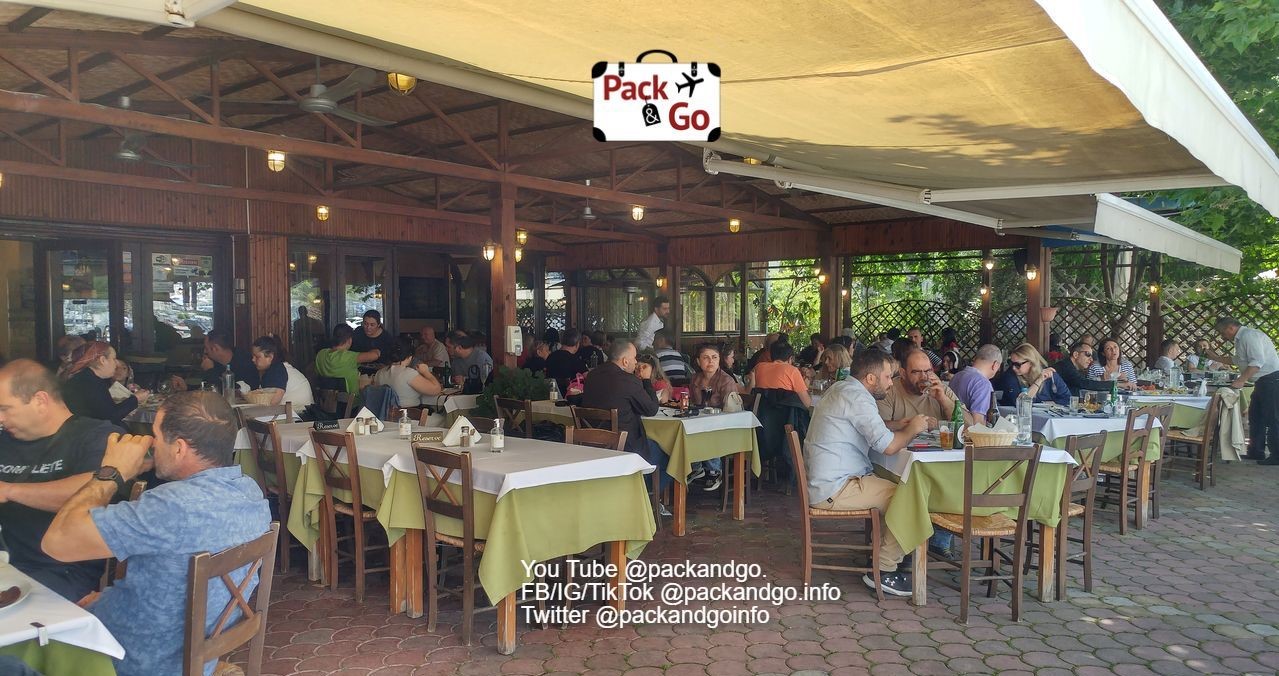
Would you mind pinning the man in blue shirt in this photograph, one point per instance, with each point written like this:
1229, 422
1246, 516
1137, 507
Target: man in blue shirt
207, 506
846, 427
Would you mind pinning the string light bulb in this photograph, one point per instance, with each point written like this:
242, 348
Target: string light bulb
275, 160
322, 212
637, 213
734, 225
521, 236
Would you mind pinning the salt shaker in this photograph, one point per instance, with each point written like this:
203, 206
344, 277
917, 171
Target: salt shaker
466, 437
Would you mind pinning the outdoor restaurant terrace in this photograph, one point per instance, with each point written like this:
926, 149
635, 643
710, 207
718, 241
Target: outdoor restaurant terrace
335, 216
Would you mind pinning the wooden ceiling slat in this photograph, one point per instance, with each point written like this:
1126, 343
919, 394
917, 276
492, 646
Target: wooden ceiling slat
29, 17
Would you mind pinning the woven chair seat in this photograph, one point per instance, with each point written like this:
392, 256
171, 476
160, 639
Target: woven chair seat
458, 542
227, 669
840, 513
1180, 435
1116, 468
343, 508
1075, 509
995, 525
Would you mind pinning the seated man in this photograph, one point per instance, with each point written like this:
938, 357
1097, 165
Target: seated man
208, 505
626, 385
1169, 353
339, 361
918, 392
46, 455
372, 336
780, 374
846, 428
671, 360
220, 355
972, 384
564, 364
430, 351
469, 360
1073, 370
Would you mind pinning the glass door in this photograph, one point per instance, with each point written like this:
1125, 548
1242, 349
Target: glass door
365, 287
82, 286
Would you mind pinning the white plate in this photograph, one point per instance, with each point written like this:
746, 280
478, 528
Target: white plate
24, 591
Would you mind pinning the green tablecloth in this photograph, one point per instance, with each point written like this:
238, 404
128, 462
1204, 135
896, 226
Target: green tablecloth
530, 524
61, 659
1114, 445
939, 487
686, 449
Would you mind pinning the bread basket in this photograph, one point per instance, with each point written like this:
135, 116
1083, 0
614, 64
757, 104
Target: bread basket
987, 437
261, 397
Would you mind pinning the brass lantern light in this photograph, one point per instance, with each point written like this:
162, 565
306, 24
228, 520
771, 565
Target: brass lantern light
322, 212
637, 213
519, 254
1032, 272
734, 225
521, 236
275, 160
489, 251
400, 83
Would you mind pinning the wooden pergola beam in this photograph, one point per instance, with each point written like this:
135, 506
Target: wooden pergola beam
40, 105
116, 41
36, 75
165, 87
458, 130
28, 17
324, 119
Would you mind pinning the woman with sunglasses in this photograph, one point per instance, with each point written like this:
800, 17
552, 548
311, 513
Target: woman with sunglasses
1027, 369
1111, 365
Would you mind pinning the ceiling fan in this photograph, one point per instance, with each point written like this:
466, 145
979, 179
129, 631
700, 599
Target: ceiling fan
325, 100
130, 149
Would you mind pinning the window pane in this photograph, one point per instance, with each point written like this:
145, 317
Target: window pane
181, 298
693, 303
309, 275
364, 287
18, 301
728, 311
80, 290
556, 302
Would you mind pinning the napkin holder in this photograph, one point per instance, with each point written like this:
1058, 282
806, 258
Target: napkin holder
366, 413
454, 436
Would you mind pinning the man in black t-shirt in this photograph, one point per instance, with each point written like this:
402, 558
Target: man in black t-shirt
371, 335
46, 455
565, 363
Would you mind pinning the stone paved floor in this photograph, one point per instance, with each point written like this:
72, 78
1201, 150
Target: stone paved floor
1197, 592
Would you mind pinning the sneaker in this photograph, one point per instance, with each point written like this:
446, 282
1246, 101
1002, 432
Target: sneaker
697, 474
1272, 460
896, 584
663, 511
713, 482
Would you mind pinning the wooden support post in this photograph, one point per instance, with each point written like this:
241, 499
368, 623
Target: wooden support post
672, 290
987, 329
1037, 295
829, 296
1155, 323
502, 271
743, 329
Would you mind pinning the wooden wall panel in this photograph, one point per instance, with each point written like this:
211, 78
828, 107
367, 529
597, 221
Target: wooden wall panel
268, 286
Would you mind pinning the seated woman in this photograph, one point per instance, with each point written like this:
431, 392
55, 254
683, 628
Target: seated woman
1113, 366
710, 376
661, 384
410, 384
87, 390
832, 359
1027, 369
277, 374
949, 365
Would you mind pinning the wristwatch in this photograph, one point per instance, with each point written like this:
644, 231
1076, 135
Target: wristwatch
109, 473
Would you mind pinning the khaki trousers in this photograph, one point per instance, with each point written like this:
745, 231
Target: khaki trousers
866, 492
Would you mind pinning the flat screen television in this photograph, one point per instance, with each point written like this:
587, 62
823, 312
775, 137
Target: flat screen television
424, 298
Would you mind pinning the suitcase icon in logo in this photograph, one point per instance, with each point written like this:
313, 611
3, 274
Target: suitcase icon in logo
656, 101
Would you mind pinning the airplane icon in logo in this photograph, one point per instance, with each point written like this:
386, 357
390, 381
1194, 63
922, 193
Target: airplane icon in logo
689, 83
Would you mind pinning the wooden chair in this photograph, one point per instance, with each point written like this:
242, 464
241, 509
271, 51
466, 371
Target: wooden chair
1077, 501
585, 417
1163, 414
484, 425
870, 519
330, 393
264, 441
415, 413
279, 412
115, 569
750, 402
516, 415
1121, 476
344, 475
435, 467
990, 529
228, 635
1196, 451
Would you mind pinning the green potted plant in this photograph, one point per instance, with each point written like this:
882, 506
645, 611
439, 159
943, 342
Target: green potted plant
512, 383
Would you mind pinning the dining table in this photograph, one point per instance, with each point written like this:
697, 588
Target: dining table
690, 439
931, 480
52, 634
534, 501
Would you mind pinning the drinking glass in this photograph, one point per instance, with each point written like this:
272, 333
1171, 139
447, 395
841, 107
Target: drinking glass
945, 434
1074, 404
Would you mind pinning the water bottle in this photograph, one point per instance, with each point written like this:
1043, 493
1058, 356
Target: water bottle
497, 438
1025, 407
228, 385
406, 424
555, 391
1203, 387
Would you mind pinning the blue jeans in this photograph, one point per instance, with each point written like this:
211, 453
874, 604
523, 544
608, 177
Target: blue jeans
941, 539
655, 456
712, 466
70, 581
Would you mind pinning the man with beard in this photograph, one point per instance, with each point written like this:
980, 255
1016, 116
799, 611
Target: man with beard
846, 427
918, 392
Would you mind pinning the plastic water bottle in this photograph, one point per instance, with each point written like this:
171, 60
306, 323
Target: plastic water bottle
406, 424
555, 391
497, 438
1203, 387
1025, 408
228, 385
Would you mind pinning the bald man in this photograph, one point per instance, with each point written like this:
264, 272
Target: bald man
46, 455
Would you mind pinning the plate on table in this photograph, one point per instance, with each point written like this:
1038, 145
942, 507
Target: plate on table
14, 595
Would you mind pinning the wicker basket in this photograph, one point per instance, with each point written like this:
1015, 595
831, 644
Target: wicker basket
980, 437
261, 397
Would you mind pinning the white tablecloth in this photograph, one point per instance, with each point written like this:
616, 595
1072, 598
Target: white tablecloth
1059, 428
63, 620
1179, 399
900, 462
453, 402
524, 463
741, 420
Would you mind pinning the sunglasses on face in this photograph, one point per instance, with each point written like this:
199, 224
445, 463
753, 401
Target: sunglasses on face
1017, 364
1086, 354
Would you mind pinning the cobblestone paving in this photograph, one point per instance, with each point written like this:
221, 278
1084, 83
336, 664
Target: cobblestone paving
1195, 593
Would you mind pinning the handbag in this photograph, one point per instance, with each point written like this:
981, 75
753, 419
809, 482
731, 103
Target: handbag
733, 403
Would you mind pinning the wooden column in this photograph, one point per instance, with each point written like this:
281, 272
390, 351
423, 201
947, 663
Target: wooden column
502, 271
673, 288
743, 329
829, 295
1155, 324
539, 295
267, 287
1038, 293
987, 329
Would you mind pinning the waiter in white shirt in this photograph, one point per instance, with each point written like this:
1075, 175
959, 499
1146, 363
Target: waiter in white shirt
1256, 357
652, 323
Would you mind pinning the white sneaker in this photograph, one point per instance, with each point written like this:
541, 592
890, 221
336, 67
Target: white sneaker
663, 511
713, 482
697, 474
